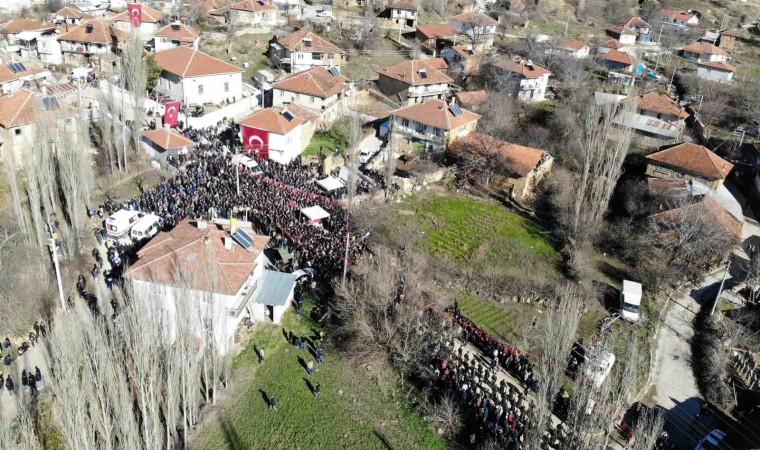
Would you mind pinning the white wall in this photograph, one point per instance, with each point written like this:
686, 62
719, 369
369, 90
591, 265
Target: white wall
627, 39
213, 88
49, 50
707, 73
285, 148
163, 43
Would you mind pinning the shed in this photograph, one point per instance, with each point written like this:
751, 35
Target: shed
273, 295
330, 184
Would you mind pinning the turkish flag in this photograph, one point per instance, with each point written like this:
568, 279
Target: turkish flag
135, 14
171, 113
256, 140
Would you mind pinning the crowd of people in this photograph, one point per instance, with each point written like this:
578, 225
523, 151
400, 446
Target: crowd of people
30, 382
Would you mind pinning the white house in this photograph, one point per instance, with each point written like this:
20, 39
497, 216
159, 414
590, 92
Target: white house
527, 81
70, 14
197, 78
318, 89
303, 50
434, 123
403, 14
14, 75
49, 49
91, 41
259, 14
274, 133
570, 47
19, 114
174, 35
412, 82
716, 71
622, 34
704, 52
669, 16
150, 22
479, 28
26, 29
205, 274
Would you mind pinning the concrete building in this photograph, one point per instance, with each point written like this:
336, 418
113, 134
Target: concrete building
569, 47
716, 71
403, 14
320, 90
527, 81
258, 14
197, 78
174, 35
477, 27
689, 161
413, 82
302, 50
704, 52
152, 19
94, 41
434, 123
274, 133
204, 273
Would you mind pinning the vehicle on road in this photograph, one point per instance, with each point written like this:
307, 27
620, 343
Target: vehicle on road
119, 223
248, 163
145, 228
711, 441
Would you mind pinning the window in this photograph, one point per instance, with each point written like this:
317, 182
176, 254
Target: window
300, 56
200, 89
18, 131
312, 99
226, 86
331, 55
316, 56
405, 123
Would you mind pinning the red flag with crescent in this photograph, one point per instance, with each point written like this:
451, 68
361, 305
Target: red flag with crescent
135, 14
171, 113
256, 140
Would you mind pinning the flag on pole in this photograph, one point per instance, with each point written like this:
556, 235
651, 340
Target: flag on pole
135, 14
171, 113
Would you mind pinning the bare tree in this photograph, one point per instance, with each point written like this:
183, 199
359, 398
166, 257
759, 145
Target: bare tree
11, 173
134, 80
753, 273
446, 415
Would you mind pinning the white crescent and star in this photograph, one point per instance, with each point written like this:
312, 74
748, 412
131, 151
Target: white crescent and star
257, 139
171, 111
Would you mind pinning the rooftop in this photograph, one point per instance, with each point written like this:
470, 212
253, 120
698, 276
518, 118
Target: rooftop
178, 32
149, 15
273, 120
571, 44
619, 57
694, 158
404, 4
198, 257
253, 6
525, 68
436, 113
415, 73
472, 98
674, 14
518, 159
313, 43
662, 104
15, 26
475, 18
316, 82
93, 32
718, 66
9, 74
71, 11
186, 62
168, 139
23, 107
437, 30
704, 47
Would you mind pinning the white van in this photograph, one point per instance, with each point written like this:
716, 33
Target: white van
119, 223
79, 73
145, 228
247, 162
598, 367
630, 301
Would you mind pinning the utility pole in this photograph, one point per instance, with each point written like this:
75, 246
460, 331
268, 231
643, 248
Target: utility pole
567, 25
720, 290
54, 251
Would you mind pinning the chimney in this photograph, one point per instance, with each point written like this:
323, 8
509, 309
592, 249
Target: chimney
207, 241
201, 224
529, 64
233, 226
228, 243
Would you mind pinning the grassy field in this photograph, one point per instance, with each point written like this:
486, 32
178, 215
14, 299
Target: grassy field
478, 234
354, 411
328, 142
492, 317
247, 48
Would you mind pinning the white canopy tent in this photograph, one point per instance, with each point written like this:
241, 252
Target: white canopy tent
330, 184
315, 213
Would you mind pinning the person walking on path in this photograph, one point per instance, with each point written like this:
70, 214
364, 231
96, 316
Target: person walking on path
273, 402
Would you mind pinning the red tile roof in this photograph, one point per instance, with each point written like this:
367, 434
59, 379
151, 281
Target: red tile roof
22, 108
404, 4
186, 62
436, 113
294, 43
184, 33
620, 57
694, 158
472, 98
197, 256
272, 120
102, 33
522, 68
712, 210
661, 103
571, 44
466, 52
15, 26
210, 5
168, 139
518, 159
704, 47
253, 6
635, 22
6, 74
71, 12
438, 63
674, 14
149, 15
621, 30
316, 82
411, 73
718, 65
475, 18
437, 30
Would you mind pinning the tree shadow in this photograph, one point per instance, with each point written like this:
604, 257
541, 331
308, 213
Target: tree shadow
231, 436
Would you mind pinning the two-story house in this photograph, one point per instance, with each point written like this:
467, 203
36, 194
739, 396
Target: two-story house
174, 35
217, 269
151, 20
621, 66
94, 41
403, 14
14, 75
275, 133
302, 50
656, 115
12, 29
668, 16
259, 14
69, 14
689, 161
320, 90
477, 27
704, 52
434, 123
197, 78
413, 82
622, 34
640, 27
20, 113
434, 37
524, 80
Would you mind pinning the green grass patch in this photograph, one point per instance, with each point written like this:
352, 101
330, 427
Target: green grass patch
328, 141
491, 317
363, 415
481, 235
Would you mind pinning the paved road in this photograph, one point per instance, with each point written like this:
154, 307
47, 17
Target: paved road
36, 356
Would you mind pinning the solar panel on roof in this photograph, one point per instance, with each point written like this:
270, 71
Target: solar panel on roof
423, 74
456, 110
288, 115
334, 71
12, 67
243, 238
21, 67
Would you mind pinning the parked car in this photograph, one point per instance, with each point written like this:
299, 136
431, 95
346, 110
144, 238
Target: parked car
711, 441
248, 163
630, 301
119, 223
